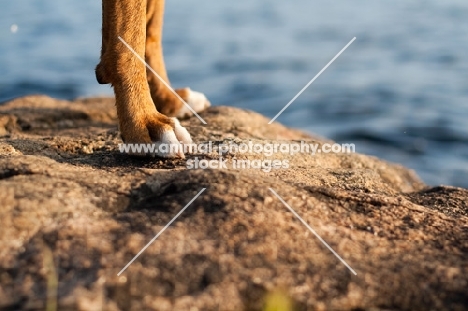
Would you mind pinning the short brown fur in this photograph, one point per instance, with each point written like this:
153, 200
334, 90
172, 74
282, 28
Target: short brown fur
143, 101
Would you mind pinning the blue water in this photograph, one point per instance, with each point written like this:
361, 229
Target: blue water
398, 92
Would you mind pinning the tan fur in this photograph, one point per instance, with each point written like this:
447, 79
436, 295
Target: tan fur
143, 101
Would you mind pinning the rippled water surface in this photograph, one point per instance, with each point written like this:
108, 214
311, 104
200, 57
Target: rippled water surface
399, 92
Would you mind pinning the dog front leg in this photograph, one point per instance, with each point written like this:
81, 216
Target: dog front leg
124, 21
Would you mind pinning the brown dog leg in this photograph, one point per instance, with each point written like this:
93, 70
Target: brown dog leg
164, 99
139, 121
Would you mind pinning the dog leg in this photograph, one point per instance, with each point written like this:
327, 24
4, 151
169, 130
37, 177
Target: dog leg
165, 101
139, 120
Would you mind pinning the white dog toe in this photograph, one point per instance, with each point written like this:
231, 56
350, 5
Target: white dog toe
181, 132
169, 146
197, 101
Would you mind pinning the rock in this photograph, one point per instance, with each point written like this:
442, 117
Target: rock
74, 211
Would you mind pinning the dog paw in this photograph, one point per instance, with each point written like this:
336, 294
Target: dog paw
196, 100
161, 136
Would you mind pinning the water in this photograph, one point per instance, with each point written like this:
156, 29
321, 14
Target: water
399, 92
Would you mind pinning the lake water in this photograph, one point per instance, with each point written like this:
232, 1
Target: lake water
398, 92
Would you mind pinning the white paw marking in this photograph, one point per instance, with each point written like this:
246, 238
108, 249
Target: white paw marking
197, 101
172, 141
181, 132
176, 122
169, 146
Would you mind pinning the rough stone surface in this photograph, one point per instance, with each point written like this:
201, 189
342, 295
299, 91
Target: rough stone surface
74, 211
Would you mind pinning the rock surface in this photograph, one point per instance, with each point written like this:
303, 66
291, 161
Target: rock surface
74, 211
